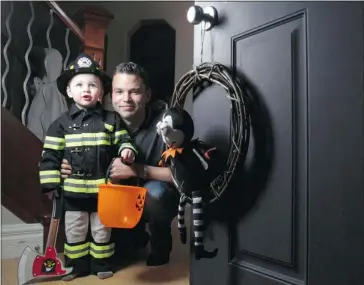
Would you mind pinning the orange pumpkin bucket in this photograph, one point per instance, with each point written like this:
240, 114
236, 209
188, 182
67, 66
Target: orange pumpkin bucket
120, 206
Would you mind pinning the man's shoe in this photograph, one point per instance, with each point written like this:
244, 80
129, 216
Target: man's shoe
157, 259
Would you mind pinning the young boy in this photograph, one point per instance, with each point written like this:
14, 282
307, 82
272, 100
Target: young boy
89, 138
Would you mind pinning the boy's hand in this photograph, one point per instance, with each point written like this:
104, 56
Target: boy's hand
51, 194
127, 155
66, 169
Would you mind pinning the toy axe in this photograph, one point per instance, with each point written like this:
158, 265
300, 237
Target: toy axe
34, 266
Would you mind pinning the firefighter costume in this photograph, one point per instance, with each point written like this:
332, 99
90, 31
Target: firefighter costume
89, 139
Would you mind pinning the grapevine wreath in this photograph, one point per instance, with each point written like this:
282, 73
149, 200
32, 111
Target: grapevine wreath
215, 73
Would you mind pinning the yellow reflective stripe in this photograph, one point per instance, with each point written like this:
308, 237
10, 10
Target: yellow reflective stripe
126, 145
91, 190
88, 143
49, 172
109, 127
54, 139
82, 186
86, 135
54, 147
118, 135
50, 176
102, 251
88, 139
85, 245
54, 143
94, 182
50, 180
76, 251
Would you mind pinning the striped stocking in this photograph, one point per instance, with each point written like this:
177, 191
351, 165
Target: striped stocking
181, 219
199, 227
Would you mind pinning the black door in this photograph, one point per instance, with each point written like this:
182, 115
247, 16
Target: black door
295, 212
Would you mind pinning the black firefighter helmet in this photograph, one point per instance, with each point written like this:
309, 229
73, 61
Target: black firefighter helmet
82, 64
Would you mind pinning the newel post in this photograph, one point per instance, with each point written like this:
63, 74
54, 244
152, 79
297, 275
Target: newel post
94, 21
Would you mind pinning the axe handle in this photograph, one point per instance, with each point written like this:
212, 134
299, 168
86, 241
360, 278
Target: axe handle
56, 218
53, 232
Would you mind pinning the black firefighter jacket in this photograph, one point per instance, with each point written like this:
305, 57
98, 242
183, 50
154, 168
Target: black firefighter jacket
89, 140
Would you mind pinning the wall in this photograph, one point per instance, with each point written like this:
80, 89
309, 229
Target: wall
16, 235
128, 14
8, 218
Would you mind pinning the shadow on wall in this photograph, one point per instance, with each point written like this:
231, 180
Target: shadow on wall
251, 177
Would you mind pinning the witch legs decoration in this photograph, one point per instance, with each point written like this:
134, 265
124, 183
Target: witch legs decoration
198, 224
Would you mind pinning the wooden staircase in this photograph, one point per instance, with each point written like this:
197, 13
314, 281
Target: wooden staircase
20, 186
21, 151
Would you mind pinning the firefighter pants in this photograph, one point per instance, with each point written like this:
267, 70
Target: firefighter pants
87, 253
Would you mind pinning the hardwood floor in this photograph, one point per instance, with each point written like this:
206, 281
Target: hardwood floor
133, 273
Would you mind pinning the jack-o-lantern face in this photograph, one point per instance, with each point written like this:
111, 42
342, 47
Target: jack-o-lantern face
49, 266
140, 202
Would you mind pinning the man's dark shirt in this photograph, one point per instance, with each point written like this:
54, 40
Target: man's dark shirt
149, 144
147, 140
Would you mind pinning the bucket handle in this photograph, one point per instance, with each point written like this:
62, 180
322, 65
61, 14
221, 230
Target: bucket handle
109, 169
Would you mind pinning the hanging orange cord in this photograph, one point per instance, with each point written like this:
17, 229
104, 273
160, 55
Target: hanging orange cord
120, 206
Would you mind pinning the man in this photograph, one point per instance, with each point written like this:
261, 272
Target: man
131, 96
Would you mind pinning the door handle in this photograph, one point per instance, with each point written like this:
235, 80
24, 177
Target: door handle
207, 15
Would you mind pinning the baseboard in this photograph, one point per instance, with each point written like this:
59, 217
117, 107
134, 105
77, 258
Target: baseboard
15, 238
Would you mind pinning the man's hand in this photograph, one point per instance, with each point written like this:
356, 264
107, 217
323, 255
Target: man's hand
121, 171
127, 155
66, 169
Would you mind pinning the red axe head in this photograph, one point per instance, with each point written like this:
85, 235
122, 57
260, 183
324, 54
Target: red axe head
32, 265
48, 265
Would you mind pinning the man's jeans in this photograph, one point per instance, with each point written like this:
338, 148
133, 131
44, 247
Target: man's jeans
160, 209
161, 206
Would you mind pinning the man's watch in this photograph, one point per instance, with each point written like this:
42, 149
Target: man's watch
144, 172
